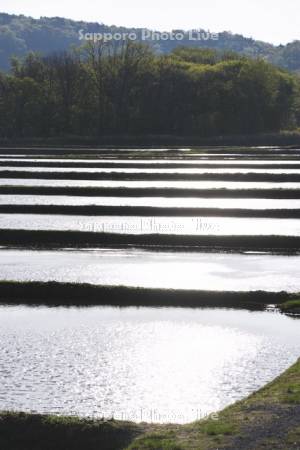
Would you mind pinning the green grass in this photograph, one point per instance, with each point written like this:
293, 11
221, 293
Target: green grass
20, 431
293, 394
294, 436
291, 306
218, 428
260, 412
157, 441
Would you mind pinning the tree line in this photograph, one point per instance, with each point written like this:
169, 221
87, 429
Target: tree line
20, 34
127, 89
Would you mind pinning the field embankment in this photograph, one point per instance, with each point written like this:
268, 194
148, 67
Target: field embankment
203, 243
278, 193
149, 211
57, 293
138, 176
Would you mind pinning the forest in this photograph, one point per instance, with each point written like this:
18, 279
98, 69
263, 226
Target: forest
20, 35
105, 89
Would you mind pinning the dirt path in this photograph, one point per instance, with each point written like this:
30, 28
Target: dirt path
270, 434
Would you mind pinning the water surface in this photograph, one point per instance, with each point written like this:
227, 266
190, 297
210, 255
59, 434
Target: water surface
131, 267
160, 365
128, 161
217, 226
150, 184
223, 203
133, 171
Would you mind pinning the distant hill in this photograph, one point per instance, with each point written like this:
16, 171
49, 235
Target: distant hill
20, 34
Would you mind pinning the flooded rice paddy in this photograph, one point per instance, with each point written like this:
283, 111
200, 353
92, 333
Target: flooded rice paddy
140, 363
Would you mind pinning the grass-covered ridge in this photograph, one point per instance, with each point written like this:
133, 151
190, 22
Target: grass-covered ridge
132, 164
157, 242
139, 176
291, 306
278, 193
266, 420
147, 211
58, 293
146, 146
20, 431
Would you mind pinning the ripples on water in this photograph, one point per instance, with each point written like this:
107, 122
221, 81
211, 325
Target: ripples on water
165, 365
150, 364
181, 162
146, 171
131, 267
150, 184
153, 225
223, 203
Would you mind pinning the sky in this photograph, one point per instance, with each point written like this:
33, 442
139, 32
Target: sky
273, 21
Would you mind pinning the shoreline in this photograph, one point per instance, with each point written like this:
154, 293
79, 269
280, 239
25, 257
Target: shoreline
268, 419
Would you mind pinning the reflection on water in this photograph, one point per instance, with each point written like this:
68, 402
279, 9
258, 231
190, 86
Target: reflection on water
153, 225
161, 365
224, 203
85, 170
150, 184
204, 271
128, 161
146, 364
